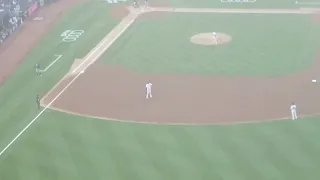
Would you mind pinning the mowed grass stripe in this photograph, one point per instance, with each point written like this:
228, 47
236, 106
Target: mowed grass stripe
235, 4
122, 150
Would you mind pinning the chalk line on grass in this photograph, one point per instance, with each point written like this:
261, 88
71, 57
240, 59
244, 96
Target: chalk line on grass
41, 112
87, 58
58, 56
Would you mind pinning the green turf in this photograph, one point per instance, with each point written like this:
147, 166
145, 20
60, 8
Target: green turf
262, 45
60, 147
64, 147
18, 94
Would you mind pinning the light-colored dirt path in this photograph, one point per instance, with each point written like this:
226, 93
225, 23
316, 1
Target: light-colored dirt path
243, 11
80, 65
106, 42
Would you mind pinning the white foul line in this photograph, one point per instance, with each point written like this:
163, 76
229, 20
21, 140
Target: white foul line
41, 112
76, 77
58, 57
308, 3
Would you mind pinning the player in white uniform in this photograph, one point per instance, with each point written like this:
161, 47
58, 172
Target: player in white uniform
135, 4
293, 109
214, 37
148, 90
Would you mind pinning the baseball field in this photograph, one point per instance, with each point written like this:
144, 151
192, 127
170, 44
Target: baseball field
218, 112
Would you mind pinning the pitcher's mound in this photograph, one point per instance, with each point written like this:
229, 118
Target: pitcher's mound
207, 39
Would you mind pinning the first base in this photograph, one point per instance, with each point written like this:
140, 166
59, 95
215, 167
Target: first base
82, 72
314, 80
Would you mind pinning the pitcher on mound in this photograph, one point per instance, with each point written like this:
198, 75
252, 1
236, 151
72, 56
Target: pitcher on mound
148, 90
214, 37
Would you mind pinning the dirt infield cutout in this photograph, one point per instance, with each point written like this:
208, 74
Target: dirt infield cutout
207, 39
110, 92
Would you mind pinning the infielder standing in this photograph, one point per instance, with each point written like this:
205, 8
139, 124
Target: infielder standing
293, 109
148, 90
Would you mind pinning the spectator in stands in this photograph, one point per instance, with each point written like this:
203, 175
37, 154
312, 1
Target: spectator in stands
1, 4
13, 15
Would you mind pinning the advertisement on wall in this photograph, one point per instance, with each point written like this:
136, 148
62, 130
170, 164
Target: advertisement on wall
33, 8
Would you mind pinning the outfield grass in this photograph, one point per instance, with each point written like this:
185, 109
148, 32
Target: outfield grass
262, 45
64, 147
61, 147
18, 94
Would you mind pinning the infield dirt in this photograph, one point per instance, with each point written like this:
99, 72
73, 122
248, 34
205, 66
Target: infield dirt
117, 93
207, 39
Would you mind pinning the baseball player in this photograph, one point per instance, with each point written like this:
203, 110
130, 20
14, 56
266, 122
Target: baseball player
214, 37
38, 70
293, 109
135, 4
38, 102
148, 90
146, 3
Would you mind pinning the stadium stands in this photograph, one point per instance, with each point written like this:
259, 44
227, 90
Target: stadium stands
12, 15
